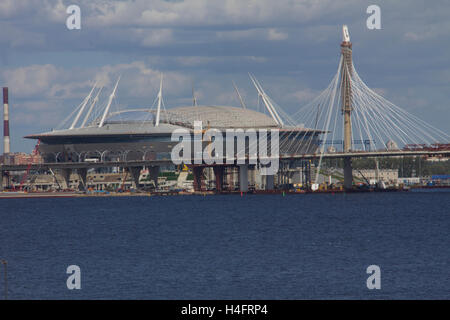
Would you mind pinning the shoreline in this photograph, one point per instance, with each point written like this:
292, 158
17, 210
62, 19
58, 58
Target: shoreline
68, 194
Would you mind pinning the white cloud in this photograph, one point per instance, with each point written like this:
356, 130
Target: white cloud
154, 23
139, 80
271, 34
304, 95
155, 37
11, 8
432, 30
31, 80
412, 36
16, 37
216, 41
194, 61
276, 35
240, 34
51, 82
206, 12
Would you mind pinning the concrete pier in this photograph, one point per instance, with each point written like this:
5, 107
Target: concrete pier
218, 173
2, 180
198, 175
269, 183
135, 173
82, 174
243, 178
154, 173
65, 174
348, 173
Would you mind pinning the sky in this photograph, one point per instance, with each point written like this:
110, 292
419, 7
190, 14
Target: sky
291, 46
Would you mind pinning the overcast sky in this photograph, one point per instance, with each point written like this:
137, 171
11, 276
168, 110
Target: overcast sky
291, 46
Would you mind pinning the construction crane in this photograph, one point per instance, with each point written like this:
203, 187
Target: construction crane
30, 163
123, 181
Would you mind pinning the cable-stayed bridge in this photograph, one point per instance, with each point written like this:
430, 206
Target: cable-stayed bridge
357, 122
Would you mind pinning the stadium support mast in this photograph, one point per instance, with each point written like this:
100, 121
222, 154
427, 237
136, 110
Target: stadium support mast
111, 97
239, 96
194, 98
265, 98
85, 102
91, 107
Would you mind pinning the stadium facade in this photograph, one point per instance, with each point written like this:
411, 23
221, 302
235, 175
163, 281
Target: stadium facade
133, 135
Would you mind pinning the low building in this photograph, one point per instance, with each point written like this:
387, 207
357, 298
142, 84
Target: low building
437, 159
373, 175
21, 158
410, 181
441, 179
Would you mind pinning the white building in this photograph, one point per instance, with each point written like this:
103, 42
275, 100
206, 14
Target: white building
373, 175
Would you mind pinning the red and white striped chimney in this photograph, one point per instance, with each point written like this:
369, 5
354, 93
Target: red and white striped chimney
6, 141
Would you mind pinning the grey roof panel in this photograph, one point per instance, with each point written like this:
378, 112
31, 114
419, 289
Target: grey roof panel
220, 117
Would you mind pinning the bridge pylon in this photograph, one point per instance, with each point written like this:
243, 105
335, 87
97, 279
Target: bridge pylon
346, 104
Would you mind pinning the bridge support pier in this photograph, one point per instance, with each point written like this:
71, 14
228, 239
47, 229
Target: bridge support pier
154, 173
243, 178
82, 174
135, 174
306, 174
198, 177
252, 176
283, 175
65, 174
218, 173
269, 182
2, 179
348, 173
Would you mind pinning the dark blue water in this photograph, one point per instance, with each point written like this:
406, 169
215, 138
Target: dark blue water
229, 247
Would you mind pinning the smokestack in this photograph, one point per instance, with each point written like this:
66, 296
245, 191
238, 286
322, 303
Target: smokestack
6, 141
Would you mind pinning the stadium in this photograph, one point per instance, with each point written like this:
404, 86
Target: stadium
145, 134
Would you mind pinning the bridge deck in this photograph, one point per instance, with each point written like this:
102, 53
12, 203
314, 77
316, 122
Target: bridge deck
140, 163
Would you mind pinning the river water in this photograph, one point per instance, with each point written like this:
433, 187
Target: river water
314, 246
